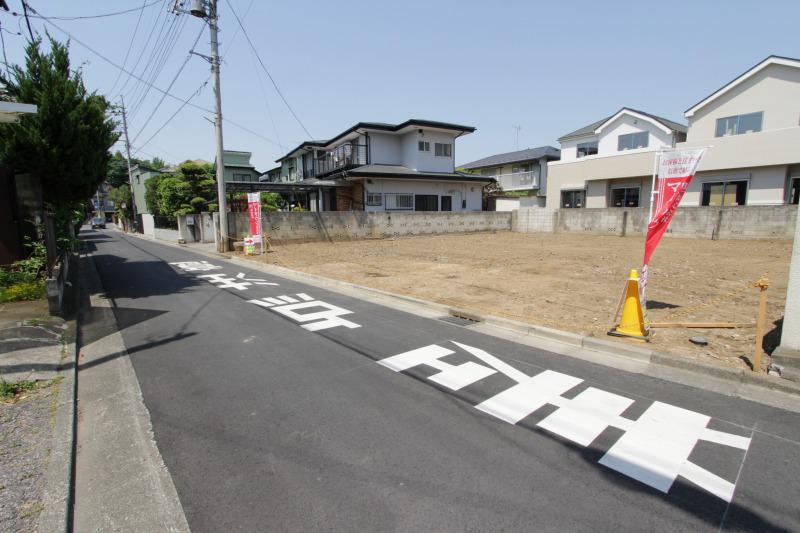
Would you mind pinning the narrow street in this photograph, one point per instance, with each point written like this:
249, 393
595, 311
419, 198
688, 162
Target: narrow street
283, 406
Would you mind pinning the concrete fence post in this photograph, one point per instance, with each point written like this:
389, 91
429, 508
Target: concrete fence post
789, 349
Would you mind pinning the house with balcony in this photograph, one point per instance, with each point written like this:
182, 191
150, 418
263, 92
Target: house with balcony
609, 163
752, 128
521, 173
375, 166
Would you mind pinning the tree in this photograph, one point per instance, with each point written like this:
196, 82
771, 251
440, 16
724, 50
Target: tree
122, 195
117, 169
65, 144
186, 191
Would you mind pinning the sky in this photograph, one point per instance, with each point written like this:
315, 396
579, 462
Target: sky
522, 72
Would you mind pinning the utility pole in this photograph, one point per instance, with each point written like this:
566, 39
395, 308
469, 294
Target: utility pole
128, 154
213, 19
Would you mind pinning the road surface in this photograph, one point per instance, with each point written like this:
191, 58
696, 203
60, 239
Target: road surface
282, 406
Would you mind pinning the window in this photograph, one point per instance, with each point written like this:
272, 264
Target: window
724, 193
490, 171
631, 141
625, 197
241, 177
374, 198
443, 150
520, 168
570, 199
588, 148
794, 192
736, 125
447, 203
397, 201
426, 202
424, 146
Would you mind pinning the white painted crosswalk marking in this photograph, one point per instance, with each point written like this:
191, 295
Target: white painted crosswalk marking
514, 404
583, 418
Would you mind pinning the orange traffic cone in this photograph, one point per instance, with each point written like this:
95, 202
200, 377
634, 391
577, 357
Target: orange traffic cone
632, 322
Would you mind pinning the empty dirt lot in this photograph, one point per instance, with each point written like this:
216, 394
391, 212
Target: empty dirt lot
570, 282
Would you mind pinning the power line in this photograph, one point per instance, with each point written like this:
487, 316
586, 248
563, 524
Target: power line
174, 79
153, 26
253, 48
5, 59
103, 15
130, 46
27, 20
134, 76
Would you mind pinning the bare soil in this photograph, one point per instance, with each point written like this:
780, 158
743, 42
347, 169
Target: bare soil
572, 282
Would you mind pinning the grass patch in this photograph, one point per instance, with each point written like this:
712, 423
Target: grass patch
11, 391
22, 291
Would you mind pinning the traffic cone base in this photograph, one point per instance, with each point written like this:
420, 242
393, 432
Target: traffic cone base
632, 322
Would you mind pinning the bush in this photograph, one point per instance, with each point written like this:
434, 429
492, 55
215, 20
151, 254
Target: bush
22, 291
26, 271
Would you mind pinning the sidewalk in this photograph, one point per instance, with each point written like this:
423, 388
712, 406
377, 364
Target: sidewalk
37, 354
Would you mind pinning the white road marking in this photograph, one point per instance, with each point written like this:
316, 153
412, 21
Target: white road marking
288, 299
583, 418
453, 377
653, 450
304, 296
514, 404
330, 317
225, 282
195, 266
257, 281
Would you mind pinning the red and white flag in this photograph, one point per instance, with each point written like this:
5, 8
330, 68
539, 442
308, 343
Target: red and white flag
675, 172
254, 208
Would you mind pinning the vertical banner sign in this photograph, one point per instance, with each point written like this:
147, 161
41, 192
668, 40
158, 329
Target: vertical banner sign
675, 172
254, 208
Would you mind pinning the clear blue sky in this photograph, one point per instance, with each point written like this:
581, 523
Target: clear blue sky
549, 67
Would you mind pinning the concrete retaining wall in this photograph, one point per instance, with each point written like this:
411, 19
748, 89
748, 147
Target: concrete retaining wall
148, 225
745, 222
342, 226
166, 234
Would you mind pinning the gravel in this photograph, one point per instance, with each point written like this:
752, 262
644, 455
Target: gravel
25, 435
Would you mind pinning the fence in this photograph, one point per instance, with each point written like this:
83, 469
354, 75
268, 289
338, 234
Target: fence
741, 222
284, 227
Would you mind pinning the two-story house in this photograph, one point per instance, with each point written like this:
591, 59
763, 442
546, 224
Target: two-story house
752, 128
609, 163
375, 166
520, 171
237, 167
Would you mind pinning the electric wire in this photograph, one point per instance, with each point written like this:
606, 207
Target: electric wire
5, 59
169, 87
274, 84
141, 54
102, 15
130, 46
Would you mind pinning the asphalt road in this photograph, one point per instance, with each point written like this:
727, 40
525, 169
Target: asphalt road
294, 414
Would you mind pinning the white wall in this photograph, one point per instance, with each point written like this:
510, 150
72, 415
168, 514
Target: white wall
775, 91
427, 161
608, 139
385, 149
506, 204
569, 148
473, 192
766, 185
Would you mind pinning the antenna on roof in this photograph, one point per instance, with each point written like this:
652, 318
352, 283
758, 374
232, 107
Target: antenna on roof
518, 127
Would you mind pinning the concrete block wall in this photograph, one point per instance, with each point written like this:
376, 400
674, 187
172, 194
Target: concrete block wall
341, 226
745, 222
166, 234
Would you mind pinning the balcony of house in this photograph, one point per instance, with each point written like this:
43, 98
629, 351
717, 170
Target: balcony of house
763, 148
518, 181
341, 158
629, 164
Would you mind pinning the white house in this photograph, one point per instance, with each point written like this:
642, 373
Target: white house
519, 171
374, 166
751, 126
609, 163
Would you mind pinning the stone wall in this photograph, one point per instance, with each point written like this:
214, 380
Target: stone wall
282, 227
745, 222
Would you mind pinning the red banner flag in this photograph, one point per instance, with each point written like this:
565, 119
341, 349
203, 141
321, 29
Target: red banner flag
254, 208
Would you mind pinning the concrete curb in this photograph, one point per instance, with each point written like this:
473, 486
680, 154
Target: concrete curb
57, 500
618, 348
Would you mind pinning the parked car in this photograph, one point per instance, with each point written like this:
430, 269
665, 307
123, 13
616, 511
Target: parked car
98, 222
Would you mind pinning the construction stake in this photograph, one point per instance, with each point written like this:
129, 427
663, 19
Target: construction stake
763, 284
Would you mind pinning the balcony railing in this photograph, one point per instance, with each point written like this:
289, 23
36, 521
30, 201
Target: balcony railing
518, 181
340, 158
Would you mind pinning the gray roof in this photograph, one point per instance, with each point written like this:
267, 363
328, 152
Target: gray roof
514, 157
589, 130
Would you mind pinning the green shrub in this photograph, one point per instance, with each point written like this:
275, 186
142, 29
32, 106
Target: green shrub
22, 291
